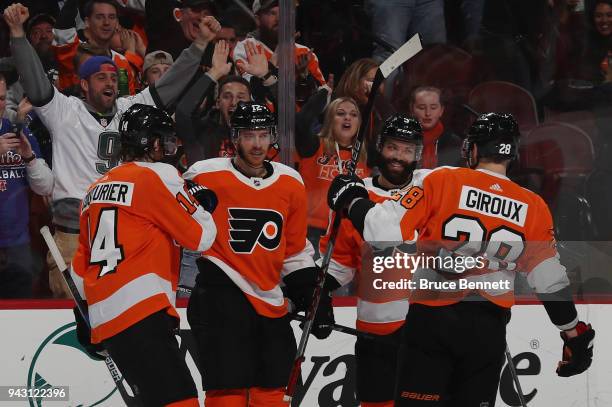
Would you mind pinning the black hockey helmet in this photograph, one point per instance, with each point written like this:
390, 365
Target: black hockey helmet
140, 125
252, 115
496, 135
404, 128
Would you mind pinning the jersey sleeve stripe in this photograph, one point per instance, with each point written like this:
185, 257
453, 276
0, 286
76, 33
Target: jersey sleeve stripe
392, 311
174, 184
340, 272
548, 277
299, 261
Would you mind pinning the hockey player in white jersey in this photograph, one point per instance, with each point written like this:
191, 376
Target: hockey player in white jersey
84, 132
380, 313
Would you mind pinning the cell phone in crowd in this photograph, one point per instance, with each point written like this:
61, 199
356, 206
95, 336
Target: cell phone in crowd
16, 128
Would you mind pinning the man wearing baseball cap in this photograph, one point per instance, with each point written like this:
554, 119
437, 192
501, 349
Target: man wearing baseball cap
85, 131
96, 75
39, 31
155, 65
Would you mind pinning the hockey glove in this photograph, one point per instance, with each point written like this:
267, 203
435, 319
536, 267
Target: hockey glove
205, 197
95, 351
324, 318
300, 286
343, 190
577, 351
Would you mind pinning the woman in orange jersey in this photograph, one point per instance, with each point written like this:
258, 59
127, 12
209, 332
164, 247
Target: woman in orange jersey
127, 263
323, 156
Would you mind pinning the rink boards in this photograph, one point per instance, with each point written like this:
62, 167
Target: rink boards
39, 348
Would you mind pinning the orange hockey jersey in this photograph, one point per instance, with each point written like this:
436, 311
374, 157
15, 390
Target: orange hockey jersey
132, 222
318, 171
460, 213
381, 312
261, 229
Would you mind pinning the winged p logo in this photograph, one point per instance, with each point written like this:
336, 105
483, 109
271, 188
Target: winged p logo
250, 227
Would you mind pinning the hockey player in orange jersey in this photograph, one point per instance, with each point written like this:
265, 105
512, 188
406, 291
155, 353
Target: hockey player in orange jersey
453, 351
237, 311
381, 313
127, 263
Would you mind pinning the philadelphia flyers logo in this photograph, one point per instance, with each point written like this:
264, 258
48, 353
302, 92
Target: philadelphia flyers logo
249, 227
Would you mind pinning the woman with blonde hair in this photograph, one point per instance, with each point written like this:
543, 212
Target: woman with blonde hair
323, 155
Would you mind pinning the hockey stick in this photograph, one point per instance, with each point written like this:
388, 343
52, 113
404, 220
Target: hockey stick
515, 378
130, 401
348, 330
403, 54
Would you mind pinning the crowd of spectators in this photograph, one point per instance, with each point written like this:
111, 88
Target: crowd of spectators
69, 68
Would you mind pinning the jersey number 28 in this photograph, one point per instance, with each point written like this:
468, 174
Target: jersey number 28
500, 244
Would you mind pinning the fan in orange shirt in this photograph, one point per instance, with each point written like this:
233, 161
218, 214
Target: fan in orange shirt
323, 156
126, 266
462, 213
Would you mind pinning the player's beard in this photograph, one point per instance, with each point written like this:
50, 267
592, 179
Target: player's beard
253, 163
396, 176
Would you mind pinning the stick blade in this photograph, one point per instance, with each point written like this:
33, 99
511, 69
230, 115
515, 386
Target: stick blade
412, 47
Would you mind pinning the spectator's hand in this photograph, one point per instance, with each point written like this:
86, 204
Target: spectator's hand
301, 68
366, 87
9, 142
128, 42
25, 148
23, 109
330, 81
15, 15
256, 63
220, 66
208, 29
141, 48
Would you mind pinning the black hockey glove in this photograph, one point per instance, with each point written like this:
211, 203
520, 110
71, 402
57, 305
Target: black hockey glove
324, 318
95, 351
300, 286
577, 351
343, 190
206, 197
